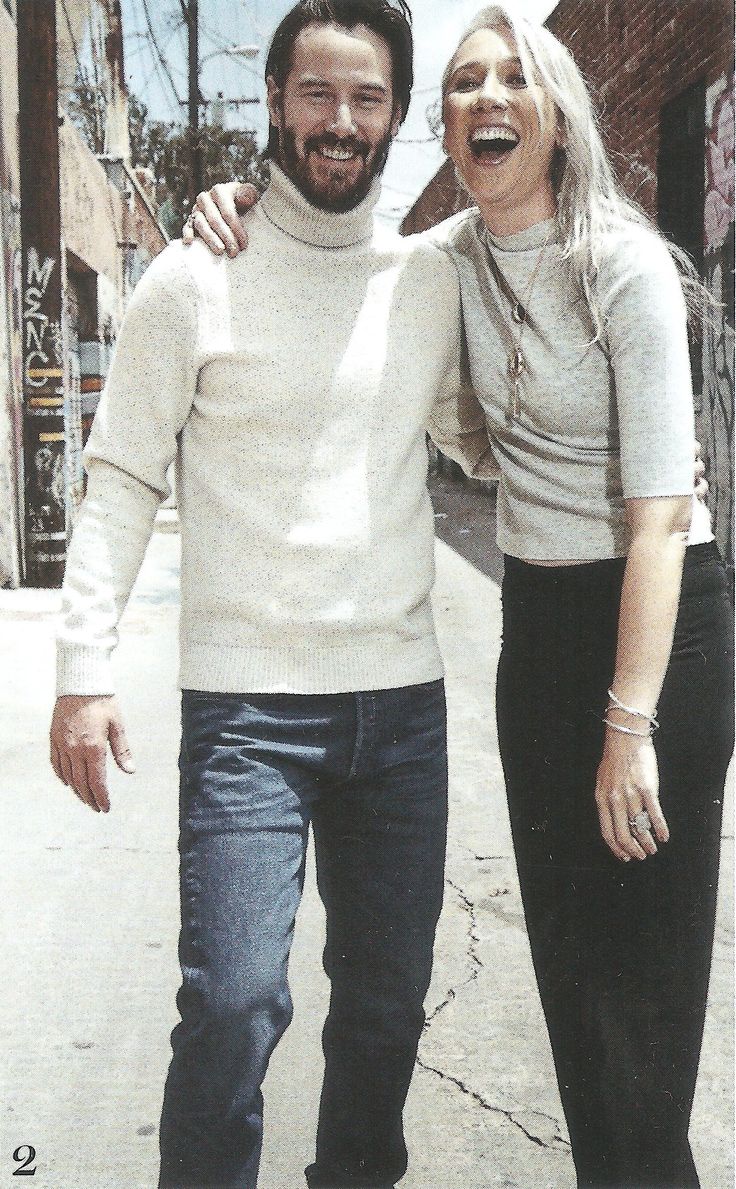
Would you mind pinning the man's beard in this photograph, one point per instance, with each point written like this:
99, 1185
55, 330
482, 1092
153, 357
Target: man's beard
337, 194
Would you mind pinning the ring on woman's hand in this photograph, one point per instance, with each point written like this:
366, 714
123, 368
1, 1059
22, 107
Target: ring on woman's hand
189, 221
640, 822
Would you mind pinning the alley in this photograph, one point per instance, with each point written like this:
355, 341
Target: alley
90, 908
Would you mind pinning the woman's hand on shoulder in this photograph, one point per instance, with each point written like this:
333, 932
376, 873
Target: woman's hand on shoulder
627, 785
216, 217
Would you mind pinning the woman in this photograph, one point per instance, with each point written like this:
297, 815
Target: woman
612, 684
586, 390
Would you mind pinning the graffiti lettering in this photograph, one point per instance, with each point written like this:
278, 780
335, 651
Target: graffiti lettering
38, 328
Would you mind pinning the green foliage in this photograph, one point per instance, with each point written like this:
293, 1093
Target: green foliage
85, 110
164, 148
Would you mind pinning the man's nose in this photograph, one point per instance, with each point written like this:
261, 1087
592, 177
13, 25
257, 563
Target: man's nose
343, 124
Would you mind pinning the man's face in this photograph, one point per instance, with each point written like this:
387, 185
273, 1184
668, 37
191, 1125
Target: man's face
335, 114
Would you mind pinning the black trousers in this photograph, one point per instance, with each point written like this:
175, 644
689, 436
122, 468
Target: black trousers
621, 951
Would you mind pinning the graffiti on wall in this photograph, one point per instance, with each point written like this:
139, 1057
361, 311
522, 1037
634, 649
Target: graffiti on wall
718, 337
43, 338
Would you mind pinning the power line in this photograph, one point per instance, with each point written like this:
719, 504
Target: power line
159, 52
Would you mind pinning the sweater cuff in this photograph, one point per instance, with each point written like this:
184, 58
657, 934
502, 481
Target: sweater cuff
83, 670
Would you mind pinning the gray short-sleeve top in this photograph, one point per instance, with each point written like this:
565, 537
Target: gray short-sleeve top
600, 418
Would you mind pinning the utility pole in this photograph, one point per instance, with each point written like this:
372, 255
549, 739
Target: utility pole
195, 148
45, 526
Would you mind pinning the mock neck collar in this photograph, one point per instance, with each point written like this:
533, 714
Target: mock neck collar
287, 208
524, 241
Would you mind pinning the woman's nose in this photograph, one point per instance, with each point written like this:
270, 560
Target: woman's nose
493, 92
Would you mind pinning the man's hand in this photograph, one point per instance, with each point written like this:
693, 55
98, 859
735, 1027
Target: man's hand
701, 483
81, 729
216, 215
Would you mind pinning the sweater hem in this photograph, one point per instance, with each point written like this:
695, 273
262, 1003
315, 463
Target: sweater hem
244, 669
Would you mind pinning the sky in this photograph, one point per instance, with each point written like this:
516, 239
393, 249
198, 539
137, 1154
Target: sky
415, 156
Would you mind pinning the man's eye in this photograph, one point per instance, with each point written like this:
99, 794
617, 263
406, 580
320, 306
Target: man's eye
368, 100
517, 79
319, 96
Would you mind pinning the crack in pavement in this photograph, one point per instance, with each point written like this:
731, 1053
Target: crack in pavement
558, 1142
473, 941
471, 952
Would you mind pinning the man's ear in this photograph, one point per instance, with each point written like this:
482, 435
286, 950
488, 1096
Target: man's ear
273, 99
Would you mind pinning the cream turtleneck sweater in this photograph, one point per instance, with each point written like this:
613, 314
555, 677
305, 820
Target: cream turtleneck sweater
293, 385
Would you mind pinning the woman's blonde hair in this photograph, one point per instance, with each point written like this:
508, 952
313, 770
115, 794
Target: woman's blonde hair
590, 201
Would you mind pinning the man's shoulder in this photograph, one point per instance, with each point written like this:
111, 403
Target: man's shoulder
179, 271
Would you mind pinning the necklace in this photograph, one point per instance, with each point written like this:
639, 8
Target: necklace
516, 363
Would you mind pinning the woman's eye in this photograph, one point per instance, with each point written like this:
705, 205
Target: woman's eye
517, 79
464, 84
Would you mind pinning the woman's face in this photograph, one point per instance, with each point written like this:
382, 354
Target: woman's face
493, 133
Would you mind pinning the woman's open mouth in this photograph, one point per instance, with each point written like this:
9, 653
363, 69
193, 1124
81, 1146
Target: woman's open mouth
493, 144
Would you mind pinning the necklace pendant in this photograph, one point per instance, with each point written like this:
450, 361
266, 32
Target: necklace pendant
518, 313
517, 365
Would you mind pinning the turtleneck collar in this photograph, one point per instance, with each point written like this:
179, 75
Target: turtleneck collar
524, 241
287, 208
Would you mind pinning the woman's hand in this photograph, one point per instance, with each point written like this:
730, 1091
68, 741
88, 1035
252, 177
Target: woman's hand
701, 483
627, 784
215, 217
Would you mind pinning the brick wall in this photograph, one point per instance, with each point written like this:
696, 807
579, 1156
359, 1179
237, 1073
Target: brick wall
636, 55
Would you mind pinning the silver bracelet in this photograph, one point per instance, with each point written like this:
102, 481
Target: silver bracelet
619, 705
627, 730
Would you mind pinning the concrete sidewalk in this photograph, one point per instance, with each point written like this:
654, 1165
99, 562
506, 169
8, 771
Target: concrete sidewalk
90, 915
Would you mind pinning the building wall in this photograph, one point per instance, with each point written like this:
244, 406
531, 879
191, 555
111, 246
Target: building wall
636, 55
109, 233
11, 296
91, 208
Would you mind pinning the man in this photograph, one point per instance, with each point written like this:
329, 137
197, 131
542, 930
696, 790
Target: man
293, 385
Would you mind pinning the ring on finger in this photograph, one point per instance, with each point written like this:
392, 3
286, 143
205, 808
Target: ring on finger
640, 823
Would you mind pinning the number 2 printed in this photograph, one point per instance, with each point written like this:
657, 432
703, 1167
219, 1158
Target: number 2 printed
24, 1157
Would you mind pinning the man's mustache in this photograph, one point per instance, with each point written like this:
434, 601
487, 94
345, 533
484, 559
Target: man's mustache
349, 144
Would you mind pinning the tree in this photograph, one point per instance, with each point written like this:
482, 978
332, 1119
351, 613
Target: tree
163, 148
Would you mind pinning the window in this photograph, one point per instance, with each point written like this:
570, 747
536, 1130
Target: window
681, 187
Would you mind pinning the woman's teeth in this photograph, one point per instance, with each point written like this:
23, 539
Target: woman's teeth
494, 141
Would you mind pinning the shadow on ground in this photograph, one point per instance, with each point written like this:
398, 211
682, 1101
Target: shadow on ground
465, 519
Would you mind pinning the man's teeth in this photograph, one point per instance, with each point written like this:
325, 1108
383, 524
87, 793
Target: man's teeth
494, 132
337, 154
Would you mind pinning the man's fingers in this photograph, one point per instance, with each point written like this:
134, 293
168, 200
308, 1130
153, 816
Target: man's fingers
97, 780
80, 781
56, 762
211, 220
119, 747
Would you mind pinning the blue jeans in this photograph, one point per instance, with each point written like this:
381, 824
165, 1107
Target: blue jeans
369, 771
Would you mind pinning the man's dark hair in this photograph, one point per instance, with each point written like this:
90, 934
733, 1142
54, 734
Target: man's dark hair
387, 19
